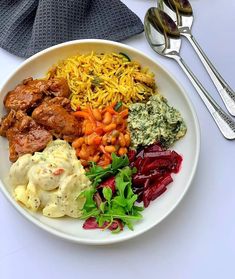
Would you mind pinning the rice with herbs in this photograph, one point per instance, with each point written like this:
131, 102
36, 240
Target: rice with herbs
101, 79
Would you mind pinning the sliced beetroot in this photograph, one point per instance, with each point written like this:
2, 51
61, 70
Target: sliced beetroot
91, 224
165, 164
157, 154
177, 162
139, 179
140, 154
109, 182
154, 167
115, 225
97, 198
138, 162
153, 148
131, 155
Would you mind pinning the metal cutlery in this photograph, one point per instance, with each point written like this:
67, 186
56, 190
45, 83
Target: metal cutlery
181, 12
164, 38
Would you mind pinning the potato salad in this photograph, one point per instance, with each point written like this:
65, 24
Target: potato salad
50, 181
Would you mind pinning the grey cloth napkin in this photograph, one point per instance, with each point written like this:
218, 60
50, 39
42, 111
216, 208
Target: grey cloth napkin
28, 26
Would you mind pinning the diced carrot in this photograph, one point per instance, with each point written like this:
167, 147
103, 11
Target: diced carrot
104, 132
88, 128
99, 131
124, 113
82, 114
97, 140
108, 155
102, 149
77, 142
111, 110
92, 118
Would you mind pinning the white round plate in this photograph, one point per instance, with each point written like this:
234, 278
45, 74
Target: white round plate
71, 229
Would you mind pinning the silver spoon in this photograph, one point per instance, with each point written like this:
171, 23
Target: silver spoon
181, 12
164, 38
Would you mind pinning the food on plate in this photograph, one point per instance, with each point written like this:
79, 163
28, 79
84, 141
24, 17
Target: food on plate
51, 181
31, 92
101, 79
55, 115
155, 121
38, 111
154, 167
104, 131
111, 202
25, 136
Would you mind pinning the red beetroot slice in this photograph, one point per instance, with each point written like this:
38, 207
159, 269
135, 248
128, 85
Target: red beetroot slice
157, 154
131, 155
139, 179
156, 190
91, 224
177, 162
154, 167
165, 164
109, 182
153, 148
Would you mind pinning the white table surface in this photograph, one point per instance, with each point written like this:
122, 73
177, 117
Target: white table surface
198, 239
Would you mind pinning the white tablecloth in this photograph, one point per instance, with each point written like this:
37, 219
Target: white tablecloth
198, 239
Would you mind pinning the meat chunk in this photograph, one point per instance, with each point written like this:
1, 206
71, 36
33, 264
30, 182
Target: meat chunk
7, 122
26, 95
31, 93
61, 101
59, 87
24, 134
56, 116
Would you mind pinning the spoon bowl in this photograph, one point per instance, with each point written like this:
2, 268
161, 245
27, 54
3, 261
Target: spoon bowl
182, 14
162, 33
164, 38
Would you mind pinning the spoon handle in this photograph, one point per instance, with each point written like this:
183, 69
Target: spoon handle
225, 91
224, 122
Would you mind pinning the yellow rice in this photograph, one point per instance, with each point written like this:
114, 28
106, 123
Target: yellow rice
101, 79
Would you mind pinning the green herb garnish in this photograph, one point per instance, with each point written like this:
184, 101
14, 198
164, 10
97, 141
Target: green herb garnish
96, 81
118, 106
96, 173
125, 57
121, 206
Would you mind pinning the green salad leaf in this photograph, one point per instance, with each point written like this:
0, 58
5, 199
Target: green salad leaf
96, 173
119, 206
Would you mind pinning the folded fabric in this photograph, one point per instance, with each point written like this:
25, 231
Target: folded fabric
28, 26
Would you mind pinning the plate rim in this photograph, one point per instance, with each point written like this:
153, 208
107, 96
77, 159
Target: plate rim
76, 239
